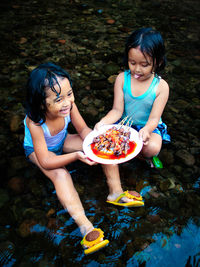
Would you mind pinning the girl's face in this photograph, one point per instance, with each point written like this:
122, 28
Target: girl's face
59, 105
141, 66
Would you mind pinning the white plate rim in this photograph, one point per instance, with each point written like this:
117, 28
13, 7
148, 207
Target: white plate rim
89, 139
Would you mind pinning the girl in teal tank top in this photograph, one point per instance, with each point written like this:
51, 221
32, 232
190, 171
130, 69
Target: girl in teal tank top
140, 94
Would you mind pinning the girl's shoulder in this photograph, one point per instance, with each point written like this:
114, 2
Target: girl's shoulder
119, 81
163, 85
120, 76
28, 121
31, 124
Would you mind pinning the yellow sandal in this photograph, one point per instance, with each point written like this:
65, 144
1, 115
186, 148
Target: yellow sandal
137, 200
92, 245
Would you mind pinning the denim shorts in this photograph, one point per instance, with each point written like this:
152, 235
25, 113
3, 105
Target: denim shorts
161, 129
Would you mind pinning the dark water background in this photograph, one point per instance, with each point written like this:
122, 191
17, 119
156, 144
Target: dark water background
87, 39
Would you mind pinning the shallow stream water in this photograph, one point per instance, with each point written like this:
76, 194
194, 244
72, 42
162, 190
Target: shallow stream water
87, 39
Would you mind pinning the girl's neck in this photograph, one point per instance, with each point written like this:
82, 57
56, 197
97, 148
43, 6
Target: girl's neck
55, 125
138, 87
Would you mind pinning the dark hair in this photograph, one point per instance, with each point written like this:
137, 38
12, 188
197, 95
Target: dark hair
45, 75
151, 43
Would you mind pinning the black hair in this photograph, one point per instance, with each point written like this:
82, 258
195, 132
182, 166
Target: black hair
151, 43
45, 75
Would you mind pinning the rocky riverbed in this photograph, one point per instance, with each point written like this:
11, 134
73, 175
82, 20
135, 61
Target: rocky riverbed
87, 39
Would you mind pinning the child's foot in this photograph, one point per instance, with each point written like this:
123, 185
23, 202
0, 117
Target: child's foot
86, 228
126, 199
114, 196
93, 241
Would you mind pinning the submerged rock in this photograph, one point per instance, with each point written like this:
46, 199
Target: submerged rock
154, 218
185, 157
4, 197
16, 184
25, 228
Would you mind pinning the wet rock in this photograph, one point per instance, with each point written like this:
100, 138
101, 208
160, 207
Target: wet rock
50, 212
185, 157
110, 69
110, 21
181, 104
177, 169
86, 100
23, 40
166, 156
92, 111
98, 84
33, 213
112, 79
16, 184
153, 192
98, 103
125, 29
187, 176
153, 218
139, 242
17, 163
4, 197
8, 217
80, 189
166, 185
15, 123
53, 34
61, 41
37, 189
52, 223
173, 203
90, 39
25, 228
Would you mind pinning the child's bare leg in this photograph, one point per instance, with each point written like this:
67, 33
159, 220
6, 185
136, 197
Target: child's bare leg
67, 195
73, 143
114, 183
153, 147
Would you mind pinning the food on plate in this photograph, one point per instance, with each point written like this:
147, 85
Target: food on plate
114, 143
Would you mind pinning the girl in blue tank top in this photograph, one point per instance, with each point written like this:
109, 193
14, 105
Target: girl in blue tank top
50, 107
139, 93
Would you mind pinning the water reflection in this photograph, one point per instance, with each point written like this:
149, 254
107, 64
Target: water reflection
168, 250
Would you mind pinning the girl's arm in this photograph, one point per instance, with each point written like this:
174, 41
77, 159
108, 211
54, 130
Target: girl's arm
156, 112
118, 104
50, 160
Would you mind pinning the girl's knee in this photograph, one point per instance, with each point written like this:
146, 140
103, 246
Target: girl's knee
152, 149
59, 175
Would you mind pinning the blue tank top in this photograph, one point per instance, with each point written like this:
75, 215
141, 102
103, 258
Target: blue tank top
139, 108
51, 141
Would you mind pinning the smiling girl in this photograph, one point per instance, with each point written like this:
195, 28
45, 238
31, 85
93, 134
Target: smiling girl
50, 107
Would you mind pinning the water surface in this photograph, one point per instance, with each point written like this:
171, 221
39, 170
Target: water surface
87, 39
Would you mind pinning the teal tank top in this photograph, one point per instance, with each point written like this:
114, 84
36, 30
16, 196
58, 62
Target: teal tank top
139, 108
